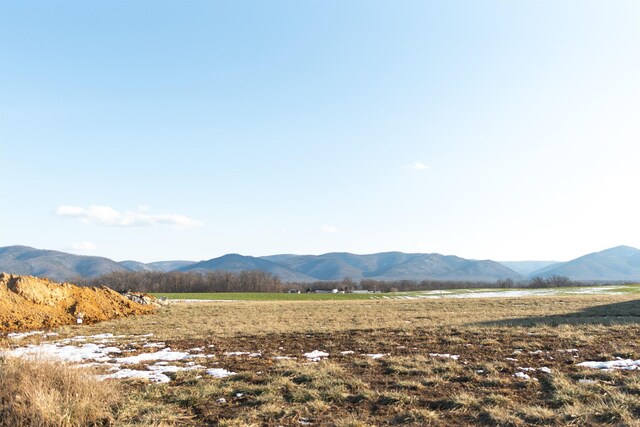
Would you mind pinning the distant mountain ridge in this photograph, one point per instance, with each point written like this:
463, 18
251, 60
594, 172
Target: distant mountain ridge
381, 266
161, 266
395, 266
55, 265
527, 267
237, 263
621, 263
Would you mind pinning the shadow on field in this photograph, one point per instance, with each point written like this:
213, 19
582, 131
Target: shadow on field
617, 313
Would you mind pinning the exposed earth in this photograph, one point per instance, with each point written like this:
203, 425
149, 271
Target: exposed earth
29, 303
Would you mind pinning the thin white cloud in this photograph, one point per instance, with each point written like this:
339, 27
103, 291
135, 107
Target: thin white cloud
329, 229
106, 215
83, 246
417, 166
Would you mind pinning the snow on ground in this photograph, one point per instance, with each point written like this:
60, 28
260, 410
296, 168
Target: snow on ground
488, 293
154, 345
543, 369
522, 376
219, 372
315, 355
243, 353
67, 353
21, 335
375, 355
446, 355
82, 353
153, 376
164, 354
625, 364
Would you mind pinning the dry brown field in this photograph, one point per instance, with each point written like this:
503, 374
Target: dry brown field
412, 383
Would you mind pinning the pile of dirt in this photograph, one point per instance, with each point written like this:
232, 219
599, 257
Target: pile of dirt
28, 303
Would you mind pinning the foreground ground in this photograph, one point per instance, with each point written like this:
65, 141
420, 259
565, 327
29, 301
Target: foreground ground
505, 361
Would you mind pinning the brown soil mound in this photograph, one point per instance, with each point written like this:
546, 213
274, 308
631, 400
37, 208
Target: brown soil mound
28, 303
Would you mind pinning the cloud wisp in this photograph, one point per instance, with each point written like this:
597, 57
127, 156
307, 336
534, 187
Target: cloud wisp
107, 216
329, 229
417, 166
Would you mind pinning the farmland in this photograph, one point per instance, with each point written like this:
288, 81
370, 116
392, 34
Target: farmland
371, 361
454, 293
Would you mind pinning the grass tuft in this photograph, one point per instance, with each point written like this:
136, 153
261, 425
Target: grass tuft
45, 393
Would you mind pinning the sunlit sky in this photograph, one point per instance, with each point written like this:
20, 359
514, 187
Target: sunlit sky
186, 130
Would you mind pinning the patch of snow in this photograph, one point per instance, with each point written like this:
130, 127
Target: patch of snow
21, 335
543, 369
66, 353
242, 353
101, 336
164, 354
156, 377
511, 359
625, 364
315, 355
445, 355
375, 355
172, 368
154, 345
522, 376
219, 372
347, 352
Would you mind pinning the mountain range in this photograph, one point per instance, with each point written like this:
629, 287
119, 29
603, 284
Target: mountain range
621, 263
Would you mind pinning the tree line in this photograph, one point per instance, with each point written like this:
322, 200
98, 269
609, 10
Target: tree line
214, 281
261, 281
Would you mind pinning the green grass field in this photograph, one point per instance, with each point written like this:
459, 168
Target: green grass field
265, 296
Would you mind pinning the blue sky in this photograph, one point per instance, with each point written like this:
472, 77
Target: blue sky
187, 130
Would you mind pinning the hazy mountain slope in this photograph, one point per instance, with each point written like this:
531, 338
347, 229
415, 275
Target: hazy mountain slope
59, 266
169, 265
332, 266
396, 265
237, 263
619, 263
161, 266
136, 266
527, 267
446, 267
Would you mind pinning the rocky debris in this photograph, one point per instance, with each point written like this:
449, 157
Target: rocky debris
146, 299
31, 303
